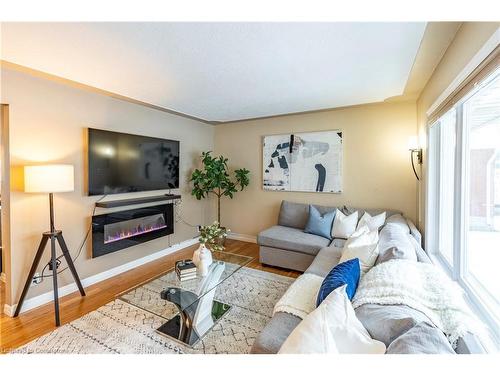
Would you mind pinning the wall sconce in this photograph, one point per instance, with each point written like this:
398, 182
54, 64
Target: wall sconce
415, 149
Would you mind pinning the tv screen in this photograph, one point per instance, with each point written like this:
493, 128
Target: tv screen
122, 163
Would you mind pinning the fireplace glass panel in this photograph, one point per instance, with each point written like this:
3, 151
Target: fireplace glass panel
119, 230
131, 228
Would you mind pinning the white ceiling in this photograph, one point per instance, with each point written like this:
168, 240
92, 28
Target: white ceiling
225, 71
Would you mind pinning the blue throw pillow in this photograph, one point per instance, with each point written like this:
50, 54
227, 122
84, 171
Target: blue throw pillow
343, 273
320, 225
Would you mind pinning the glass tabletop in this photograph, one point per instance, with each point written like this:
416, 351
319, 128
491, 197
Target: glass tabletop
166, 295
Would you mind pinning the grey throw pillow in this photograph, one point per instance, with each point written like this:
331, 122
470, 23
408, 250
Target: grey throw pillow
423, 338
398, 221
391, 253
395, 243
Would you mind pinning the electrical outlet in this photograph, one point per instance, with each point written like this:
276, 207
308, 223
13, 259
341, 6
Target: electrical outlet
36, 279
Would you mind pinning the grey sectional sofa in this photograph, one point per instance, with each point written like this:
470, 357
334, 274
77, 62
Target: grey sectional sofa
286, 245
401, 328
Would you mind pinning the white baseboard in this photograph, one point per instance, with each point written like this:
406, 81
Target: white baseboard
42, 299
3, 277
242, 237
8, 310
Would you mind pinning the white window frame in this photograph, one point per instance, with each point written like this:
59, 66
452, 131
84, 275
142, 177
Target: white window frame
461, 211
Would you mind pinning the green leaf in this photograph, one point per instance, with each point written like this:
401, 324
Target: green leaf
215, 177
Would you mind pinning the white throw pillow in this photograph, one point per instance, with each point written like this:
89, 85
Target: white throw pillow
373, 222
363, 244
332, 328
344, 226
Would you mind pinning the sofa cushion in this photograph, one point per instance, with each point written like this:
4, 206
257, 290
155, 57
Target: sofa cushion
421, 254
293, 239
403, 329
423, 338
327, 258
275, 333
293, 215
338, 242
387, 322
292, 260
415, 233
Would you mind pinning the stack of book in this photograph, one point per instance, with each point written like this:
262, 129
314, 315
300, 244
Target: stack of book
185, 269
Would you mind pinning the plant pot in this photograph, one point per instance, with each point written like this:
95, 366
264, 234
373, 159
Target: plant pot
221, 241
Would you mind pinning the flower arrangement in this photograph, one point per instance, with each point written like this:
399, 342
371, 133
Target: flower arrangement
212, 235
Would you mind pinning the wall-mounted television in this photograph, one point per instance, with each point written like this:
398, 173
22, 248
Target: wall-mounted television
123, 163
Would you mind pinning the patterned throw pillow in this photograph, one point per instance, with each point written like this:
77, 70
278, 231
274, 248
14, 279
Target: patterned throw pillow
343, 273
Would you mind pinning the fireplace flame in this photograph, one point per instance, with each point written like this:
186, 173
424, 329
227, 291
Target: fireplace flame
133, 232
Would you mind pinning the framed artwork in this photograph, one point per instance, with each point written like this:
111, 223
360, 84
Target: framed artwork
309, 162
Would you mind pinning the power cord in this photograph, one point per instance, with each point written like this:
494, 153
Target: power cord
178, 218
178, 214
42, 276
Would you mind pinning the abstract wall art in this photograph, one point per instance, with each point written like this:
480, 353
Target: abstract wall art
309, 162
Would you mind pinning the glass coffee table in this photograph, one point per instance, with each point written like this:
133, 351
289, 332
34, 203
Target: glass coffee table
189, 306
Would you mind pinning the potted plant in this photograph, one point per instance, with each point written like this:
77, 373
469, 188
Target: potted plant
211, 234
215, 179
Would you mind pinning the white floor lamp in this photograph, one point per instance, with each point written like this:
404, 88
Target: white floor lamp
50, 179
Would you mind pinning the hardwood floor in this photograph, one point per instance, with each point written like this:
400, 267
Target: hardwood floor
2, 299
15, 332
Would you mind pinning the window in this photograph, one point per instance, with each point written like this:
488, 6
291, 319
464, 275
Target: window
447, 129
482, 193
463, 206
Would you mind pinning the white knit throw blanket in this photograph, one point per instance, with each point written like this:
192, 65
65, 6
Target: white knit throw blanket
300, 298
423, 287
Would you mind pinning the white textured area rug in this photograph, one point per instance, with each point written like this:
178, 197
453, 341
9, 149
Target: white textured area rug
122, 328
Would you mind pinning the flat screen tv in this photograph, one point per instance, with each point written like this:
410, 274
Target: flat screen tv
123, 163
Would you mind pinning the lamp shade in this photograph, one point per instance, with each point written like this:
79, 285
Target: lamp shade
54, 178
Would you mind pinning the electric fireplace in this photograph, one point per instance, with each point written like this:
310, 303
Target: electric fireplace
118, 230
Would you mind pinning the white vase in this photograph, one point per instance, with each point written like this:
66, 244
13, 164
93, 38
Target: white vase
196, 255
202, 258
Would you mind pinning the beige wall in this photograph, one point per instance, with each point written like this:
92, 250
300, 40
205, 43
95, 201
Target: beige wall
377, 173
47, 122
467, 42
